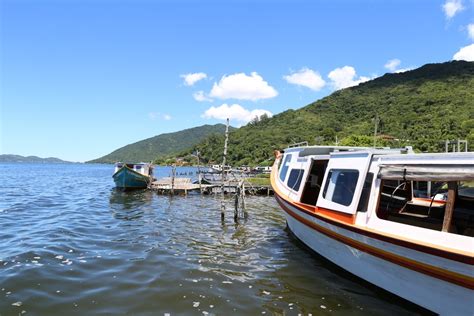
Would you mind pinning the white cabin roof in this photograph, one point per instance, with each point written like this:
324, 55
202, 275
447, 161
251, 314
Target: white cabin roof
430, 158
336, 150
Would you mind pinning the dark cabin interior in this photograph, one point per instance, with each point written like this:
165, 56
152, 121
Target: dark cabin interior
314, 182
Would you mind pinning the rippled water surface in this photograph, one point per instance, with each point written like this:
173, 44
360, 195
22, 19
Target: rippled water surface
73, 245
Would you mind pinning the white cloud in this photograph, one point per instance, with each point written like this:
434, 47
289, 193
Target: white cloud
191, 78
465, 53
157, 115
392, 64
452, 7
470, 31
307, 78
201, 97
403, 70
243, 87
233, 112
345, 77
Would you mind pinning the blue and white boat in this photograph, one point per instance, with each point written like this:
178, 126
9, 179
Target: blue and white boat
133, 176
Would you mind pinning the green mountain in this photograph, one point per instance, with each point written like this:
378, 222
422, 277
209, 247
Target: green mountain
30, 159
162, 145
423, 108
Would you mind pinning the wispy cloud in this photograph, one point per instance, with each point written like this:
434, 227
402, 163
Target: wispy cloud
470, 31
307, 78
452, 7
157, 115
242, 87
201, 97
191, 78
392, 64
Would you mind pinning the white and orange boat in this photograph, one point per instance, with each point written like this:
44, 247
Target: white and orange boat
399, 220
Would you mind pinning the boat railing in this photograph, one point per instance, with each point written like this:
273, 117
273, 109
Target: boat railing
300, 144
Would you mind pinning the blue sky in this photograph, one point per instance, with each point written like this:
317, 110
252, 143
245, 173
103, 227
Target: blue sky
82, 78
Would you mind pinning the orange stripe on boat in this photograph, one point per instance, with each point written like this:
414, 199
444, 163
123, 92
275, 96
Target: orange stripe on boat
338, 216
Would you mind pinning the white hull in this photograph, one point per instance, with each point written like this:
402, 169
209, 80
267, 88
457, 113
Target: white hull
430, 292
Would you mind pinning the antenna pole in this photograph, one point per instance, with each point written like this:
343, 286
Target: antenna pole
375, 130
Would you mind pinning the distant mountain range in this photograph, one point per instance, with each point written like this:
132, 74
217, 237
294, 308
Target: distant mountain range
162, 145
30, 159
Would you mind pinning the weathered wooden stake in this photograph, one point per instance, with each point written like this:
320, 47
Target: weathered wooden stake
173, 174
236, 206
199, 172
223, 171
222, 210
243, 195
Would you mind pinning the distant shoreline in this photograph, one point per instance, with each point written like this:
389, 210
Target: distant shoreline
7, 158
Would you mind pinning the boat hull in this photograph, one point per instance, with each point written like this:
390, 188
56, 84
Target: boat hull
355, 253
126, 178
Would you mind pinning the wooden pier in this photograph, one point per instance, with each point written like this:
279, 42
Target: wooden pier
183, 186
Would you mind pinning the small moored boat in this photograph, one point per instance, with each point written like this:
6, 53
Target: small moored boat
399, 220
133, 176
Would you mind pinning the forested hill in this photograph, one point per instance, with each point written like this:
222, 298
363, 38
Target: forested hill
162, 145
422, 108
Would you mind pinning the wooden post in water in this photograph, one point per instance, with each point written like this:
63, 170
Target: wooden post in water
243, 194
199, 172
236, 206
242, 197
224, 161
173, 174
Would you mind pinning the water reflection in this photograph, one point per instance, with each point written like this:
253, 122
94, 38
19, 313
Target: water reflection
129, 205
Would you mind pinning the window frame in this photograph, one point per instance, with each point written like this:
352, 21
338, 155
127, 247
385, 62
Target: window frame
359, 161
285, 166
298, 179
328, 182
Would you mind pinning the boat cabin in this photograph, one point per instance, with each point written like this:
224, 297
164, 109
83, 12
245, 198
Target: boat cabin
390, 190
142, 168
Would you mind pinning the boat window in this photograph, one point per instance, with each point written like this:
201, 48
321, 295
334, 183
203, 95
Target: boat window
423, 204
284, 167
365, 195
340, 186
119, 165
294, 180
314, 182
138, 167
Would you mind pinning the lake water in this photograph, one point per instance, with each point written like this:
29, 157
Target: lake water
70, 244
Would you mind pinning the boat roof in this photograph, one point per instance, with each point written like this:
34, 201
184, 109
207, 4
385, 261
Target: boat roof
328, 150
386, 155
429, 158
